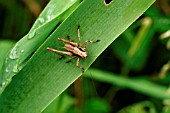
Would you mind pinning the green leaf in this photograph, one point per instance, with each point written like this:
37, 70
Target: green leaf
134, 51
60, 104
45, 77
137, 51
6, 45
142, 86
54, 13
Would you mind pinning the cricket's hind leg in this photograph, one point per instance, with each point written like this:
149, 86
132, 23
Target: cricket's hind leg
61, 53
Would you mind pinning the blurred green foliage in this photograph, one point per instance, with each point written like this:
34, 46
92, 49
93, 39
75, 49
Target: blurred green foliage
141, 53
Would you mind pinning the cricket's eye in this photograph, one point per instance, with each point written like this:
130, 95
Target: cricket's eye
81, 49
107, 2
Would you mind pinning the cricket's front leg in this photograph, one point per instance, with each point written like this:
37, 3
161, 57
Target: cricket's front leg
77, 64
60, 52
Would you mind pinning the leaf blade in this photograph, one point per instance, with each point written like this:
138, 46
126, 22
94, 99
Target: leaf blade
43, 26
43, 72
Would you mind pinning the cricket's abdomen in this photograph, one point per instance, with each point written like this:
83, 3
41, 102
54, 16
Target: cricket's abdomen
75, 50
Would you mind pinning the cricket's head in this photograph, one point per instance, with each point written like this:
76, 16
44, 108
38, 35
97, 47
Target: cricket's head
84, 54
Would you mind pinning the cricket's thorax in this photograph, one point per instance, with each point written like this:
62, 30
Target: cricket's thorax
76, 50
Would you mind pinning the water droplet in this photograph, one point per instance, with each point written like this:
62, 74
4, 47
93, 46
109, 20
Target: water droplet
3, 84
31, 35
41, 20
15, 69
22, 51
13, 53
7, 70
48, 18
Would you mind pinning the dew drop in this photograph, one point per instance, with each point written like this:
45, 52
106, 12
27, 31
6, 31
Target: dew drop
15, 69
3, 84
48, 18
7, 70
22, 51
31, 35
41, 20
13, 53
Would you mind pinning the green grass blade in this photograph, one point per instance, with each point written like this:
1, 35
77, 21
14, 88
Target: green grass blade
134, 51
142, 86
55, 12
6, 45
45, 77
61, 104
139, 48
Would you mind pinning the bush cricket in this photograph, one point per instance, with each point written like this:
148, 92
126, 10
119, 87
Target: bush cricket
73, 49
